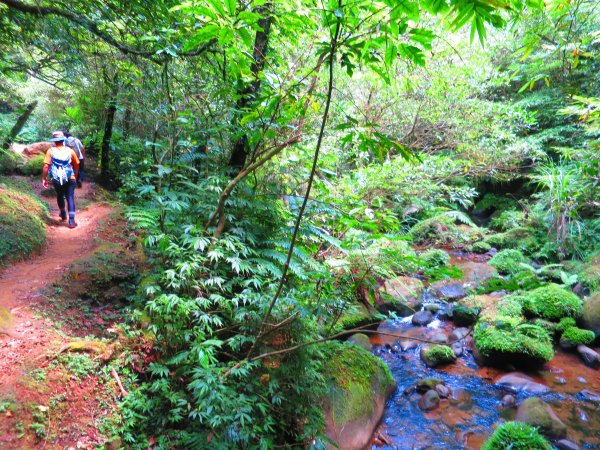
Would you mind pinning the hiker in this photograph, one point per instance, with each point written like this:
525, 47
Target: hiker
63, 165
76, 145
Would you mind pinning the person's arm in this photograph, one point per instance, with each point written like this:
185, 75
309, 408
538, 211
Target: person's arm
47, 160
75, 163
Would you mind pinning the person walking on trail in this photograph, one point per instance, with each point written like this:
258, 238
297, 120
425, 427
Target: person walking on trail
63, 165
76, 145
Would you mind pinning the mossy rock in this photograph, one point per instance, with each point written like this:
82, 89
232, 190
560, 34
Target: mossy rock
535, 412
360, 340
591, 313
552, 302
355, 316
9, 161
437, 355
463, 316
508, 261
516, 436
589, 272
401, 295
426, 384
509, 306
33, 166
435, 230
435, 258
508, 340
573, 336
550, 327
564, 324
520, 238
22, 217
481, 247
359, 384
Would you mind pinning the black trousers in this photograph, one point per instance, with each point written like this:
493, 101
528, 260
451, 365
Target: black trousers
65, 191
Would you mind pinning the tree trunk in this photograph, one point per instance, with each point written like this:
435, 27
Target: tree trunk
21, 121
240, 149
105, 148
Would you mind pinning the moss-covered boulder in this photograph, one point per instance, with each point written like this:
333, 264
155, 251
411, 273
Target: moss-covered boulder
358, 387
435, 258
355, 316
573, 336
401, 295
508, 261
589, 271
509, 306
508, 340
552, 302
481, 247
440, 229
535, 412
591, 313
361, 340
22, 216
463, 316
437, 355
516, 436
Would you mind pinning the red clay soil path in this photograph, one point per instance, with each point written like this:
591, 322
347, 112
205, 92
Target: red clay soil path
31, 337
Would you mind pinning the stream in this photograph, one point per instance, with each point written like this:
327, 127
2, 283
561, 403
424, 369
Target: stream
467, 417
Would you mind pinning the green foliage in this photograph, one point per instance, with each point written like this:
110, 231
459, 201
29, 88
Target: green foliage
517, 436
8, 161
576, 336
507, 261
22, 216
509, 306
565, 323
505, 339
495, 202
552, 302
508, 220
435, 230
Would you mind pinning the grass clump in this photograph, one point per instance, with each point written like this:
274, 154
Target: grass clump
576, 336
507, 261
22, 216
33, 166
565, 323
552, 302
506, 339
481, 247
516, 436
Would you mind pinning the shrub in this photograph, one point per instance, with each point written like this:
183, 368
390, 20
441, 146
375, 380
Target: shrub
507, 340
516, 436
33, 166
8, 162
552, 302
520, 238
438, 229
576, 336
507, 261
496, 202
435, 258
481, 247
507, 220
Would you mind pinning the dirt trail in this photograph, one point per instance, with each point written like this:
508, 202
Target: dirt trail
31, 336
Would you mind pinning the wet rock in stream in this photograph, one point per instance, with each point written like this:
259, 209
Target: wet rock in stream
519, 382
590, 357
430, 400
535, 412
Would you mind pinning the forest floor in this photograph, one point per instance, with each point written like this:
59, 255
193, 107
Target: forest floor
52, 399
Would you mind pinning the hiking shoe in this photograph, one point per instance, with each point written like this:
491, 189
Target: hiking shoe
79, 184
63, 216
72, 224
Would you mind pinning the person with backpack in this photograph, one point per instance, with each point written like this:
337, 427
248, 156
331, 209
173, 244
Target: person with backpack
76, 145
62, 163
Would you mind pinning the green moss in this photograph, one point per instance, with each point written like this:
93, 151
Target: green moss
33, 166
565, 323
507, 261
354, 317
354, 377
520, 238
8, 161
516, 436
464, 316
508, 340
496, 202
435, 258
550, 327
552, 302
507, 220
22, 215
481, 247
509, 306
436, 355
576, 336
425, 384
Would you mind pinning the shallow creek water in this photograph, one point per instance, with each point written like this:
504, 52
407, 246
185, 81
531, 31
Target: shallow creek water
467, 417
